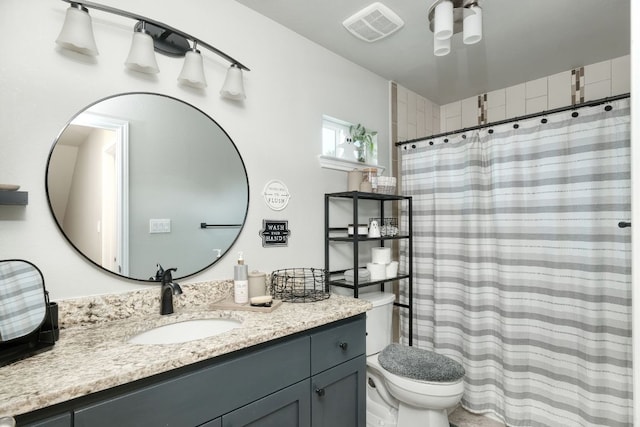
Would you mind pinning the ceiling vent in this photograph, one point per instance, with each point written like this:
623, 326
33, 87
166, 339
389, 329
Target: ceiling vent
373, 23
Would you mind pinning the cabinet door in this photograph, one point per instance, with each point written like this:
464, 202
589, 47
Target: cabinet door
338, 395
203, 395
289, 407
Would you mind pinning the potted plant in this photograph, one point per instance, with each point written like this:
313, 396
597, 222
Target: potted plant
362, 139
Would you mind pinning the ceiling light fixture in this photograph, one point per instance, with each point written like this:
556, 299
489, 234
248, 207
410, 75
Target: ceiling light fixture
149, 35
449, 17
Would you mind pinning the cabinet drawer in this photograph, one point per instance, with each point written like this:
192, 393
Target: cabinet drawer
338, 344
195, 398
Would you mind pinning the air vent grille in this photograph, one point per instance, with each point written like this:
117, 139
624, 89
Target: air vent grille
373, 23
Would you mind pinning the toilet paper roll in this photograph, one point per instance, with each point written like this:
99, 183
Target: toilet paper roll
381, 255
377, 271
392, 269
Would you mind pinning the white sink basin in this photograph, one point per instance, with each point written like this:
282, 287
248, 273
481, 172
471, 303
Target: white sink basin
188, 330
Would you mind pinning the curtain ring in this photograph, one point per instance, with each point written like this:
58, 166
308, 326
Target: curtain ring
544, 120
608, 108
575, 114
516, 126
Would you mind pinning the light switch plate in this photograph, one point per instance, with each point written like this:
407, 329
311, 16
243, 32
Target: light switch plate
159, 226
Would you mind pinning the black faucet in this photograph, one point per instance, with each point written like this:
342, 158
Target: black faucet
168, 289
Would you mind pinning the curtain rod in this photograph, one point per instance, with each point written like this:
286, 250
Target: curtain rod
515, 119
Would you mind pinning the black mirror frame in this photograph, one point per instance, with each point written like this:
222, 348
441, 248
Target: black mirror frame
151, 279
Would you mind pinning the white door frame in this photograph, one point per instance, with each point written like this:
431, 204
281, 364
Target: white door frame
120, 128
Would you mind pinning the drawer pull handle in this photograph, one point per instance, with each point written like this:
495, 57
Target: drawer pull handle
320, 392
343, 345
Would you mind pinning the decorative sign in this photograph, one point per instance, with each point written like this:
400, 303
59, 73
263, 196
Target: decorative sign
276, 195
274, 233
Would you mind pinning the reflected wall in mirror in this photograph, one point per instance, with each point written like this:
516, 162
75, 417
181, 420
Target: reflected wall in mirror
132, 177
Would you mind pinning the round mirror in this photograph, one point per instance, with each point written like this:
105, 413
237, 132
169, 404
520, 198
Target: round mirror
141, 179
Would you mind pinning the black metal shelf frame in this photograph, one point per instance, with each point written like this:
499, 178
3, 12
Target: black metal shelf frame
356, 197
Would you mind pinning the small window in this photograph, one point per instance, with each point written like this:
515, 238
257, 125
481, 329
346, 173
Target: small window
336, 141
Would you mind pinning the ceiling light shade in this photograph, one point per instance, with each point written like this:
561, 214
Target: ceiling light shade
443, 26
233, 87
472, 25
192, 73
77, 31
141, 56
441, 47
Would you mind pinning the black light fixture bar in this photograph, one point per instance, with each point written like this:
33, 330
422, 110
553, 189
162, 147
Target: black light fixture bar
170, 29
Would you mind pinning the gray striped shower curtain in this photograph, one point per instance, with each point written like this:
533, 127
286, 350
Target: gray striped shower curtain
521, 272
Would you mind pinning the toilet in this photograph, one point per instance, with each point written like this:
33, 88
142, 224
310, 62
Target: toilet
406, 386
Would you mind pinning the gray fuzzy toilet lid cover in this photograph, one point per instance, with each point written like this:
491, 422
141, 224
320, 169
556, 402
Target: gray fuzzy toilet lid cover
419, 364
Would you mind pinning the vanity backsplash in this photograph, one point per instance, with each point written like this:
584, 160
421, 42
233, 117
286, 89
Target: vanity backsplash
139, 303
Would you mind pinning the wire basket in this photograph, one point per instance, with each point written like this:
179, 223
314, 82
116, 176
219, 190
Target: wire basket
299, 284
386, 185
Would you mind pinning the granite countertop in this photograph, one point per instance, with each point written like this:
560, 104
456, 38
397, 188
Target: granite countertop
93, 354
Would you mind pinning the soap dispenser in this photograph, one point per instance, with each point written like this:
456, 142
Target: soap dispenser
240, 281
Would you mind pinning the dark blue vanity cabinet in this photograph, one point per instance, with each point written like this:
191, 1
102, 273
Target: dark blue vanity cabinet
314, 378
61, 420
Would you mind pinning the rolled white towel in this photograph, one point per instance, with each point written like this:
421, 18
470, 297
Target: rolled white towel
363, 275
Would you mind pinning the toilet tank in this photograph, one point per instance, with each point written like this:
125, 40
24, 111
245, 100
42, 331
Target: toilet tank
379, 334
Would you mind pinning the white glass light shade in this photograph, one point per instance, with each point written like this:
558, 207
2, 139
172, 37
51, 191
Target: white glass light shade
233, 87
77, 32
443, 17
441, 47
141, 55
472, 25
192, 73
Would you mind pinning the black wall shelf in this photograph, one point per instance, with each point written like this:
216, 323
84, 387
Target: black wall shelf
20, 198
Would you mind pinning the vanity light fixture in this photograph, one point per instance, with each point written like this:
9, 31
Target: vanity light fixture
142, 57
192, 73
233, 87
149, 35
448, 17
77, 31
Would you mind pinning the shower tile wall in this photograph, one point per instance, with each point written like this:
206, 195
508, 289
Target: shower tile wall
416, 116
595, 81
